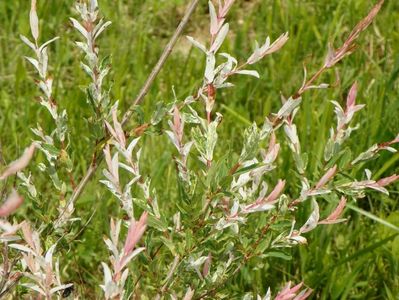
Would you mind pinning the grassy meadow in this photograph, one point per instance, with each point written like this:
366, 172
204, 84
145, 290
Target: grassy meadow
355, 260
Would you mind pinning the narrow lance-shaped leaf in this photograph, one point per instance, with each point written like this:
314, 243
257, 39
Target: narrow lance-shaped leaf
267, 49
189, 294
224, 9
28, 235
214, 19
220, 38
79, 27
196, 44
136, 230
248, 72
277, 44
333, 218
48, 43
28, 42
289, 292
273, 196
99, 30
350, 101
20, 163
388, 180
34, 21
311, 223
13, 201
326, 177
207, 265
288, 107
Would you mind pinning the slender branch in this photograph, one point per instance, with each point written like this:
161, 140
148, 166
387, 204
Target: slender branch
166, 52
139, 99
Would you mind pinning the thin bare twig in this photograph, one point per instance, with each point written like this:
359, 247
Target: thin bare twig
166, 52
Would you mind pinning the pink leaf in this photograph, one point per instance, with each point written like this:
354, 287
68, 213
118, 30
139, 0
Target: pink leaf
111, 130
304, 294
276, 191
326, 177
387, 180
118, 129
177, 125
189, 294
9, 229
28, 235
223, 10
272, 141
108, 159
20, 163
219, 38
277, 45
263, 204
207, 265
13, 201
136, 230
333, 218
214, 19
289, 293
350, 101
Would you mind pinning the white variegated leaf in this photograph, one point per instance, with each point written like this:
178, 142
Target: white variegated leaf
288, 107
220, 38
248, 72
197, 44
60, 288
28, 42
47, 43
311, 223
34, 287
79, 27
210, 67
99, 29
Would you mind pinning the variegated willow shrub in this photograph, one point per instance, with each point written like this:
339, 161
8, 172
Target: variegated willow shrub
192, 246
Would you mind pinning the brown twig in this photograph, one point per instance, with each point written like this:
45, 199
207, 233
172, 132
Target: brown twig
166, 52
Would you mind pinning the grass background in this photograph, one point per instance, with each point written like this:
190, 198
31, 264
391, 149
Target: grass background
354, 261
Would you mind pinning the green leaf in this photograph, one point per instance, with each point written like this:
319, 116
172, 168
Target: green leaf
345, 159
169, 244
51, 149
329, 150
301, 161
278, 254
157, 223
211, 139
138, 114
105, 62
199, 140
248, 168
251, 143
159, 113
217, 172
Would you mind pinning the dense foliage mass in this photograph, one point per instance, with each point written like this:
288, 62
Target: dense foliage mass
188, 209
